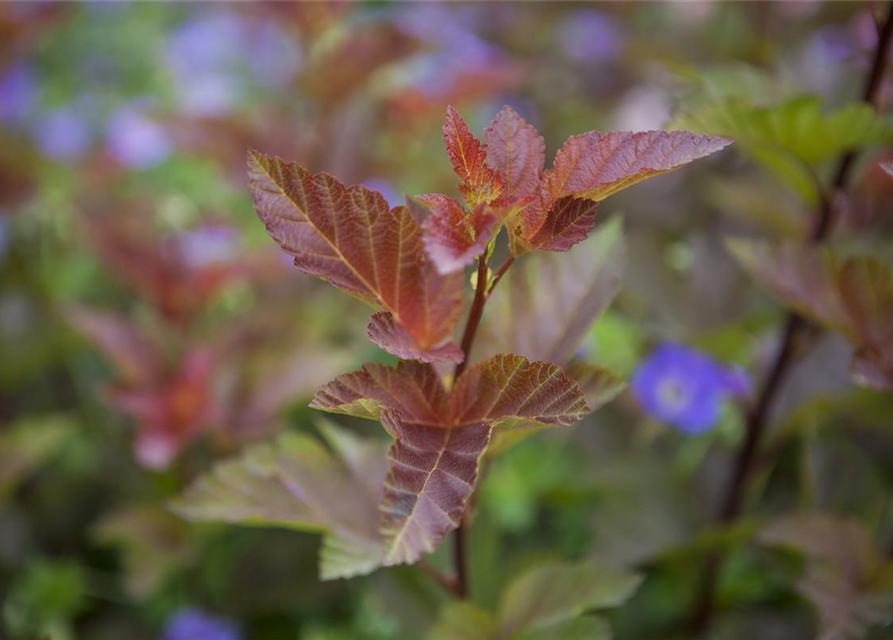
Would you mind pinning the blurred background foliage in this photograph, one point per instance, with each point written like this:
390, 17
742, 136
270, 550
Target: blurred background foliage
149, 327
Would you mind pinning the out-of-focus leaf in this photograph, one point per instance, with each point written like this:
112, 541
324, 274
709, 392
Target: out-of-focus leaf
135, 358
549, 602
480, 183
585, 628
844, 579
554, 593
440, 436
26, 445
453, 239
350, 237
152, 543
798, 126
799, 277
853, 296
599, 386
548, 303
464, 621
432, 473
297, 483
888, 167
783, 137
866, 290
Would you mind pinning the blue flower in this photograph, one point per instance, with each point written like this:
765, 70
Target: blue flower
62, 134
589, 36
135, 140
194, 624
685, 388
18, 93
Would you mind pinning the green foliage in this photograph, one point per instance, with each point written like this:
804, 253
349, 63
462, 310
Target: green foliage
550, 600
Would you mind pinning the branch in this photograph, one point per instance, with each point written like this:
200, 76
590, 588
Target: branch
794, 324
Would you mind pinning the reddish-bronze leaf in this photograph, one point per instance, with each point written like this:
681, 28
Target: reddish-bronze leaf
391, 336
594, 165
350, 237
568, 221
801, 277
412, 388
453, 239
508, 390
433, 472
517, 152
136, 359
866, 290
479, 182
440, 436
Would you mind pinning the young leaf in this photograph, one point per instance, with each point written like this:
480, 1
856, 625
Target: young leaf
552, 594
480, 184
350, 237
296, 483
517, 152
433, 472
595, 165
452, 239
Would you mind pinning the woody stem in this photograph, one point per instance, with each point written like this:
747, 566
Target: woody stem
481, 293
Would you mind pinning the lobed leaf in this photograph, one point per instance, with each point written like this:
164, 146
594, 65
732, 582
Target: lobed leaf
297, 483
480, 184
350, 237
510, 391
452, 239
412, 388
432, 473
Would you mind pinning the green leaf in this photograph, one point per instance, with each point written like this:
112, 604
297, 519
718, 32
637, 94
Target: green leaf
296, 482
788, 138
554, 593
464, 621
27, 444
585, 628
798, 126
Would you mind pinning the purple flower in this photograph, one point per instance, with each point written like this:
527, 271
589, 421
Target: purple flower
211, 55
208, 245
194, 624
587, 35
62, 134
18, 93
136, 140
685, 388
4, 233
